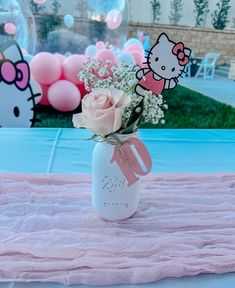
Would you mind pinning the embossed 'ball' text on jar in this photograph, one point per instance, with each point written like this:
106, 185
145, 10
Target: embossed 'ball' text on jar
112, 199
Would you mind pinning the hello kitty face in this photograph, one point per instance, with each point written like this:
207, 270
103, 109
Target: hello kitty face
17, 90
168, 59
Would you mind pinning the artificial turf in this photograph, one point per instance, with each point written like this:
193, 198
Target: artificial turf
187, 109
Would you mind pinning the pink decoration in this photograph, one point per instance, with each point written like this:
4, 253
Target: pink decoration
44, 100
100, 45
10, 28
15, 73
139, 58
72, 66
46, 68
134, 47
106, 54
128, 162
114, 19
64, 96
61, 57
184, 226
178, 50
39, 1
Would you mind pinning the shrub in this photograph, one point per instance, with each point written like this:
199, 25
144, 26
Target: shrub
156, 9
176, 9
55, 6
63, 41
201, 10
36, 8
220, 16
47, 24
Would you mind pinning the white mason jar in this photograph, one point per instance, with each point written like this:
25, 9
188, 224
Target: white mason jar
112, 199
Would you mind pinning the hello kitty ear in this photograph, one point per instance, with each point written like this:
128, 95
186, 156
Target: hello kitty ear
163, 38
12, 51
187, 52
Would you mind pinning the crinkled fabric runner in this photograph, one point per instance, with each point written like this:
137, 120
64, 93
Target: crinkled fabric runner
185, 225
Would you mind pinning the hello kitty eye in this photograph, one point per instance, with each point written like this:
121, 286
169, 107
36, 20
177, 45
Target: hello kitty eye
156, 59
16, 111
173, 69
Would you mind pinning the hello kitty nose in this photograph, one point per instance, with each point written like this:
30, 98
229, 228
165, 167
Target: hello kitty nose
163, 68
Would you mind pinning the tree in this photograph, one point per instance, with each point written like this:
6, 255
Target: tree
55, 6
220, 16
201, 10
36, 8
176, 9
156, 9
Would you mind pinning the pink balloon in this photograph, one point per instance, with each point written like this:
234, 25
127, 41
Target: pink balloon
114, 19
106, 54
134, 47
61, 57
100, 45
72, 66
44, 100
39, 1
10, 28
139, 58
64, 96
46, 68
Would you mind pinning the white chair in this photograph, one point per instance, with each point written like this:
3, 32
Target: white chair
207, 66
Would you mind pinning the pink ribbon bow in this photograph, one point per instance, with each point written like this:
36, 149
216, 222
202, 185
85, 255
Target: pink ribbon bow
178, 50
15, 73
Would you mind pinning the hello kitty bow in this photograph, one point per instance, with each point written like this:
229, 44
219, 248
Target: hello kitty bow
15, 73
178, 50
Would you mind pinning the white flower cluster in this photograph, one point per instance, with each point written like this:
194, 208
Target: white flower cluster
99, 75
154, 107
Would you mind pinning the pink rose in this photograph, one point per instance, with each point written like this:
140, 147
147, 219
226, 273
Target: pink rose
102, 111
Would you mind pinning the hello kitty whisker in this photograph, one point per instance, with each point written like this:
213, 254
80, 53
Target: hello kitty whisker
149, 52
34, 96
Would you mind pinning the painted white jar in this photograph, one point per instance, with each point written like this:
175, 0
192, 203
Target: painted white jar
112, 199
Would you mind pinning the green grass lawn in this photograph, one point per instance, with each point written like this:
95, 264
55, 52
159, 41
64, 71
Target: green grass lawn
187, 109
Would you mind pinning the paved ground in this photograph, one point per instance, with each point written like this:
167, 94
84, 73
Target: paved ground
220, 89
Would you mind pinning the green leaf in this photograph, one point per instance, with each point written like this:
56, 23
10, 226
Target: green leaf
92, 137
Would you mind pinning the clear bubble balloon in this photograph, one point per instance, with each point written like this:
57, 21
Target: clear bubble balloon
105, 6
18, 22
39, 1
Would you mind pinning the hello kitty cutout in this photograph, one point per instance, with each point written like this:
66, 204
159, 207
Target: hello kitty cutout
18, 91
166, 62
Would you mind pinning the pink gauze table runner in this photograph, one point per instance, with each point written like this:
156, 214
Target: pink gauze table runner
185, 225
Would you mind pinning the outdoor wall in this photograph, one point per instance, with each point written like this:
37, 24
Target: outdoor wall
141, 11
201, 41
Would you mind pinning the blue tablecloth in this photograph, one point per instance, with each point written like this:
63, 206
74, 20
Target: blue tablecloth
66, 151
